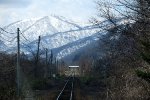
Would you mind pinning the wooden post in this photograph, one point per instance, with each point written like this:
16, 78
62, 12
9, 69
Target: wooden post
18, 65
37, 57
46, 67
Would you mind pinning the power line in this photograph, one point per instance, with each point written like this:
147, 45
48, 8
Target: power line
6, 31
26, 45
2, 34
43, 45
30, 41
5, 35
9, 40
24, 37
26, 40
30, 50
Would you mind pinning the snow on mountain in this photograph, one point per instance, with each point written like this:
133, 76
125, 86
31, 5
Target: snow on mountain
77, 45
55, 32
32, 28
2, 45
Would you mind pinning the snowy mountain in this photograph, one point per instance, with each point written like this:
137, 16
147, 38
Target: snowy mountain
57, 33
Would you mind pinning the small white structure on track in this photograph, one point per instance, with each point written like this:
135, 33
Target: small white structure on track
73, 66
73, 70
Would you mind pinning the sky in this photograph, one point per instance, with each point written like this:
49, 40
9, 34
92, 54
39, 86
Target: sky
77, 10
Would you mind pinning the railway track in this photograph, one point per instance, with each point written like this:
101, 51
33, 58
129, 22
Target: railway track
67, 91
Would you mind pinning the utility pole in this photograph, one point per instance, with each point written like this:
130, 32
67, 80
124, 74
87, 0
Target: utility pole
46, 56
37, 57
46, 69
18, 65
55, 64
38, 49
51, 64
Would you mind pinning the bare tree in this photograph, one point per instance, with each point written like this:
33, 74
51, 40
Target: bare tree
123, 45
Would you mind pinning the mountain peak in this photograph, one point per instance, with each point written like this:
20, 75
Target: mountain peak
56, 33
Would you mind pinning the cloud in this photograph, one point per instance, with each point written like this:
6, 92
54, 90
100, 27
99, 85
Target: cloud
14, 3
14, 10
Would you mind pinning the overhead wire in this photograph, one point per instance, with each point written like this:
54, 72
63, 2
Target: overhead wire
24, 37
30, 49
4, 36
21, 33
43, 46
13, 39
30, 41
6, 31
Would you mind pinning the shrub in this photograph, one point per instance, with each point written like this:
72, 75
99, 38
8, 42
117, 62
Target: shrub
40, 84
142, 74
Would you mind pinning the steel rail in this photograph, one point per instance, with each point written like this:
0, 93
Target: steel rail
71, 93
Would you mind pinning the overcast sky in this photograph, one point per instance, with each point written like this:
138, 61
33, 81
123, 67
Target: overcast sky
14, 10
